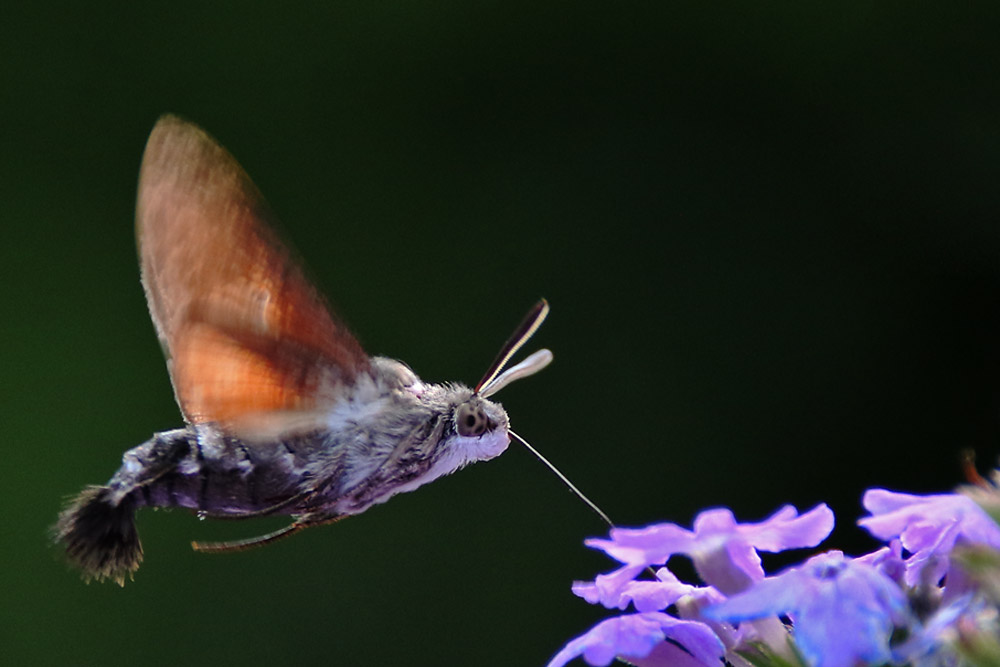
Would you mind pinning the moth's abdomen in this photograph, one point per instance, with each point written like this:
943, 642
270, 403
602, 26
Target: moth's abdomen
201, 470
218, 474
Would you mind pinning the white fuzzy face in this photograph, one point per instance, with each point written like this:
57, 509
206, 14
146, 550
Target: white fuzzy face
484, 447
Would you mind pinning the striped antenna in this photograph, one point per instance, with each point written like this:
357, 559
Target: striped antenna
491, 383
534, 363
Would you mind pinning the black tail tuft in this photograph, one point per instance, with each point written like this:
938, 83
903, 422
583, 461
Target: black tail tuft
100, 535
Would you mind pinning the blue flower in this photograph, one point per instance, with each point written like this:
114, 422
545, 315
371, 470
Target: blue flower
724, 552
644, 636
843, 611
926, 599
888, 560
929, 527
644, 595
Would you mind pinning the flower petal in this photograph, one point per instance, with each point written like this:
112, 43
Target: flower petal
785, 530
929, 527
634, 636
827, 592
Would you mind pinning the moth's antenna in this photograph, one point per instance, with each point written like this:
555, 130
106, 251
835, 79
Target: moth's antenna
528, 326
565, 480
534, 363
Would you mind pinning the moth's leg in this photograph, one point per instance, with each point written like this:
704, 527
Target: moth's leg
317, 519
298, 498
266, 511
305, 521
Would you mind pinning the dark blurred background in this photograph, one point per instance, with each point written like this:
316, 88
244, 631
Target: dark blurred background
769, 233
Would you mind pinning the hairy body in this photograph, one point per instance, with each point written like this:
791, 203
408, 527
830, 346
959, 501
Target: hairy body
285, 412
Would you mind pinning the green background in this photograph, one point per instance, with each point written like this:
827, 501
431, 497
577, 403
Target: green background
769, 233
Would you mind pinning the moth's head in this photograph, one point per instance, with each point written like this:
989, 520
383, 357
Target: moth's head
479, 427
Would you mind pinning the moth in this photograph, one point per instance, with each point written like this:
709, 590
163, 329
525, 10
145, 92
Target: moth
284, 412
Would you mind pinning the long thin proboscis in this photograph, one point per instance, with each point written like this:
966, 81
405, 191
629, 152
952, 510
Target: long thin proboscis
565, 480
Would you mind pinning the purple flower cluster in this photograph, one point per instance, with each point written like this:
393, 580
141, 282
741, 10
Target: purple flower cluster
914, 601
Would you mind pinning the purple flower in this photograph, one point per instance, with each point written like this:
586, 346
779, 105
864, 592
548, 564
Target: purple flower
888, 560
644, 595
928, 527
843, 611
638, 636
724, 552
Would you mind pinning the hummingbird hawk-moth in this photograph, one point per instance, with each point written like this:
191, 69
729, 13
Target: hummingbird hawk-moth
284, 411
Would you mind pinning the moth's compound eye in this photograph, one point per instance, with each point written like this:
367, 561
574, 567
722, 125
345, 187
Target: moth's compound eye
470, 420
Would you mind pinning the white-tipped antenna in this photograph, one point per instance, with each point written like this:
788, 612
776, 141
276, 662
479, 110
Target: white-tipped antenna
496, 378
534, 363
491, 383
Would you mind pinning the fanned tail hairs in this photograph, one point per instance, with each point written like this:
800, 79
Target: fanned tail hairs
100, 536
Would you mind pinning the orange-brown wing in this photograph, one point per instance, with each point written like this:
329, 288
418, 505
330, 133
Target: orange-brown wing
244, 331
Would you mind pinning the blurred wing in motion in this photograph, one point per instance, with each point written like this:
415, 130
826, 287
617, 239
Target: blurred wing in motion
245, 334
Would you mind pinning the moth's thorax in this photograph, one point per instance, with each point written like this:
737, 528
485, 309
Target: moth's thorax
392, 393
396, 433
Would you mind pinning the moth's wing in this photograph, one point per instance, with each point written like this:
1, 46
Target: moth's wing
245, 333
